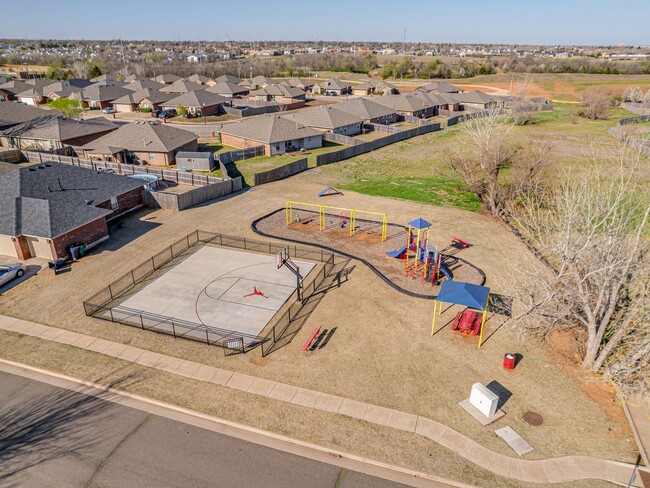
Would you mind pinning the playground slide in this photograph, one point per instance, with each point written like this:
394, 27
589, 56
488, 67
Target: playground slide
399, 253
445, 271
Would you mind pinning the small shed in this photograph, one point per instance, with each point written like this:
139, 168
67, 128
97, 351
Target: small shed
201, 161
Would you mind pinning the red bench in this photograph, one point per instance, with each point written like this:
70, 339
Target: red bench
458, 242
310, 340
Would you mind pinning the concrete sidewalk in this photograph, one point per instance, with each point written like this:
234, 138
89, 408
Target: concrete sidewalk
556, 470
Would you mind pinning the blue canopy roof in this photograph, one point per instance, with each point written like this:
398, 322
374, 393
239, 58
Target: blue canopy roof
420, 224
467, 294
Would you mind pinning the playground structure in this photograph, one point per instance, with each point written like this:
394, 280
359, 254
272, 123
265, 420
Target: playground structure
470, 321
347, 216
329, 191
427, 261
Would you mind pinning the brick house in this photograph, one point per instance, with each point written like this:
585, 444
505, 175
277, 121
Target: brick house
407, 105
147, 98
333, 85
46, 207
374, 87
198, 103
142, 142
228, 89
328, 119
100, 96
277, 134
279, 94
368, 110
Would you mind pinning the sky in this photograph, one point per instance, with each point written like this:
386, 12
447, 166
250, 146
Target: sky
548, 22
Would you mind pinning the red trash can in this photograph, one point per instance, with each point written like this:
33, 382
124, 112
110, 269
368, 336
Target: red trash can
509, 361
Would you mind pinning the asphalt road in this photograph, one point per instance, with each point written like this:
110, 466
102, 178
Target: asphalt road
51, 436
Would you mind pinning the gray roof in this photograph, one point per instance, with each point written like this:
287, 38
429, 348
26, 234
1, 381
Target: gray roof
324, 117
197, 78
61, 89
16, 113
53, 128
51, 199
195, 155
334, 84
196, 99
404, 103
101, 93
279, 91
434, 99
227, 88
441, 87
364, 108
154, 96
167, 78
138, 85
182, 86
268, 129
15, 86
474, 97
257, 81
228, 79
142, 137
295, 82
131, 78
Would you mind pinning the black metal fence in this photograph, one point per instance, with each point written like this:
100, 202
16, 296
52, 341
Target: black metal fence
105, 304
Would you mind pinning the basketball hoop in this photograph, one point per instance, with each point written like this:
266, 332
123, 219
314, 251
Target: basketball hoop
281, 257
278, 260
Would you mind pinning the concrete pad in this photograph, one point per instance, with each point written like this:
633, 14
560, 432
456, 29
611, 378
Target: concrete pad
99, 345
84, 341
221, 377
515, 470
187, 368
240, 381
6, 321
482, 457
621, 474
403, 421
306, 398
533, 471
20, 326
148, 358
353, 408
129, 354
378, 415
52, 333
205, 373
514, 440
589, 467
283, 392
430, 429
221, 288
68, 337
35, 329
114, 349
455, 441
474, 412
501, 464
168, 363
328, 403
261, 387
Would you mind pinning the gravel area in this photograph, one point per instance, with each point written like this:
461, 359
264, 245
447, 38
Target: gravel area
366, 244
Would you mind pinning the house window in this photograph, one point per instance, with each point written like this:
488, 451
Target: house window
152, 156
114, 203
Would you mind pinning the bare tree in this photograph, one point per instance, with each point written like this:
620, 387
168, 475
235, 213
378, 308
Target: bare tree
646, 99
595, 102
634, 95
591, 231
484, 152
81, 68
521, 109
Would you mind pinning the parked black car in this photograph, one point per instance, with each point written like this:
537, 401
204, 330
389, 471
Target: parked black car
155, 113
167, 114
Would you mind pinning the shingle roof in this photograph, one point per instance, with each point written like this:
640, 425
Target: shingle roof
300, 81
15, 86
101, 93
61, 89
474, 97
167, 78
197, 99
196, 78
279, 91
335, 84
142, 137
51, 199
404, 103
364, 108
16, 113
154, 96
142, 84
268, 129
228, 79
53, 128
227, 88
324, 117
182, 86
441, 87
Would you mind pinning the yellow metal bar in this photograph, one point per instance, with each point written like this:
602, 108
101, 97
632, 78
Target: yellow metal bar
433, 321
480, 337
321, 219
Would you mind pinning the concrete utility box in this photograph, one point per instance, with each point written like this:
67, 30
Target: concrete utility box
201, 161
483, 400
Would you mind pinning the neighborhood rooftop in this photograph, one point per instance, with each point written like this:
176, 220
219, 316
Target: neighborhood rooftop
268, 129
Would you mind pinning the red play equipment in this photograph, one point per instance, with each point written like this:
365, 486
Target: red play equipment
310, 339
459, 243
467, 322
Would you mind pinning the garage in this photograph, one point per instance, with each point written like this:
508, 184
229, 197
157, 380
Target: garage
39, 247
7, 247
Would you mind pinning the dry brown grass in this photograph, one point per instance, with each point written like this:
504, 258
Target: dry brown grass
381, 353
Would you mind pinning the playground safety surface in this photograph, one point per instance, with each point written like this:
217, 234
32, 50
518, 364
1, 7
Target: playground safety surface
366, 244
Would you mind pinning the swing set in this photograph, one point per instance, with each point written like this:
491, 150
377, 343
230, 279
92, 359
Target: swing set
347, 216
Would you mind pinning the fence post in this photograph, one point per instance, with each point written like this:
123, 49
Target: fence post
141, 321
110, 290
173, 329
207, 337
132, 277
111, 312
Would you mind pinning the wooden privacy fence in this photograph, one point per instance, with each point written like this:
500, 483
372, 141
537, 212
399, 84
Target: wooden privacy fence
281, 172
239, 154
341, 139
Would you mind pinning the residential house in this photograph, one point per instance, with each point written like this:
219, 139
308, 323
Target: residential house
374, 87
138, 85
50, 133
228, 79
182, 86
477, 100
228, 89
304, 84
200, 79
278, 93
147, 98
47, 207
167, 79
368, 110
408, 105
100, 96
14, 87
441, 87
332, 86
440, 101
327, 118
33, 96
200, 103
12, 114
142, 142
257, 82
63, 89
275, 133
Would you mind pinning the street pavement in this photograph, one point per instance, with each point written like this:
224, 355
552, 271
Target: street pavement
50, 436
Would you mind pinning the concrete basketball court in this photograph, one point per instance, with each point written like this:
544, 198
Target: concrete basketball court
222, 288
